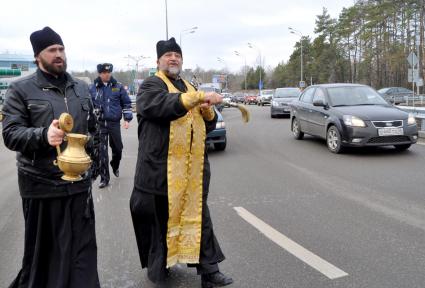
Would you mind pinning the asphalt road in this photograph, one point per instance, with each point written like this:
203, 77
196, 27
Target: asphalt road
363, 212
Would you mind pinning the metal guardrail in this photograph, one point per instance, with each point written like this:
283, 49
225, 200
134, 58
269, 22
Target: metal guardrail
417, 100
418, 112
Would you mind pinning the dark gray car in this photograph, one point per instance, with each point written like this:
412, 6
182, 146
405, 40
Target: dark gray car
351, 115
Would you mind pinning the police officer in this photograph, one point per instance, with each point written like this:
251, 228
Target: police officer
111, 103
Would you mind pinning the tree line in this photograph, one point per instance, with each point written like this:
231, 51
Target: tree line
368, 43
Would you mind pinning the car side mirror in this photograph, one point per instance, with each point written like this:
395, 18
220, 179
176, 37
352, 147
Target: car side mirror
319, 102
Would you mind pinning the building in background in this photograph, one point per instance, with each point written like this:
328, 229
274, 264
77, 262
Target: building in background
12, 67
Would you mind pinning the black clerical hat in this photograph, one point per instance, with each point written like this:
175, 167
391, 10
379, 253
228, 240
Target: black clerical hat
105, 67
41, 39
170, 45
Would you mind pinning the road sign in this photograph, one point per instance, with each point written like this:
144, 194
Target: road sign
420, 82
260, 85
412, 75
412, 59
302, 84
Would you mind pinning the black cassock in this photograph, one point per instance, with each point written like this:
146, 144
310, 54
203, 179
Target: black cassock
156, 108
60, 243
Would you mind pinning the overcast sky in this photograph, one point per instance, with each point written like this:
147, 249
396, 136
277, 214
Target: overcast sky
108, 31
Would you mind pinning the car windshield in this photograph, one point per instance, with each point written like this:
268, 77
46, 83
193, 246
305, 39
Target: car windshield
267, 92
404, 90
354, 95
287, 93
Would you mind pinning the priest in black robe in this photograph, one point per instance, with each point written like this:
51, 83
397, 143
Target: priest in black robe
60, 242
168, 205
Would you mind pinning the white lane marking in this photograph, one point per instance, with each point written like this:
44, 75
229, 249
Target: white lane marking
292, 247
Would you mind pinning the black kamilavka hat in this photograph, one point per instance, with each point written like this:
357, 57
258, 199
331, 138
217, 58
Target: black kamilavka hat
41, 39
165, 46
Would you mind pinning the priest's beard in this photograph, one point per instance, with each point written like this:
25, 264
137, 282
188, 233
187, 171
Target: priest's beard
170, 71
52, 69
175, 71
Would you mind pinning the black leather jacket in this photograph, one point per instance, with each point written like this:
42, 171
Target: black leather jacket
31, 105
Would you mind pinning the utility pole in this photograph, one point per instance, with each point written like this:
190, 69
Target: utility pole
260, 86
294, 31
166, 20
244, 68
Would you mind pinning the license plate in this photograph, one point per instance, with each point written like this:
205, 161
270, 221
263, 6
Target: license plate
390, 131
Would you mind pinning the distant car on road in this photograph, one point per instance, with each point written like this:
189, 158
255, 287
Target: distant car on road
239, 97
395, 95
265, 97
217, 137
351, 115
281, 99
250, 99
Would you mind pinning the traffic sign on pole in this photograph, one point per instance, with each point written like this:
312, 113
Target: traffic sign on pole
412, 59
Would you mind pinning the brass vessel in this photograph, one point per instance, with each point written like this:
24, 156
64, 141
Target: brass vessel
73, 161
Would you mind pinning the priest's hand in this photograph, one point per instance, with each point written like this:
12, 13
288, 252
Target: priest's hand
54, 134
211, 98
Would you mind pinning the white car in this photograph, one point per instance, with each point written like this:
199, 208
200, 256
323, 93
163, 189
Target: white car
265, 97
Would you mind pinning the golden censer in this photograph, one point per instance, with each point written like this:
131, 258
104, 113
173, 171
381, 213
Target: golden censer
73, 161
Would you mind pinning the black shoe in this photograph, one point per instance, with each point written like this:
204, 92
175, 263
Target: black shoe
216, 279
116, 172
103, 185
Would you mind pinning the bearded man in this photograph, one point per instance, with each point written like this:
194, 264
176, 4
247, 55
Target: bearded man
169, 201
60, 244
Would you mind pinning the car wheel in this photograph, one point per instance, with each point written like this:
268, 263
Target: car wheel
333, 140
402, 147
296, 130
220, 146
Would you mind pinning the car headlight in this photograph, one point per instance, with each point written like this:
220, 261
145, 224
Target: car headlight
353, 121
411, 120
275, 103
220, 125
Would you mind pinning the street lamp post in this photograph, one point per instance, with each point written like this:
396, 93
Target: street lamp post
221, 60
244, 68
187, 31
296, 32
250, 45
166, 20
